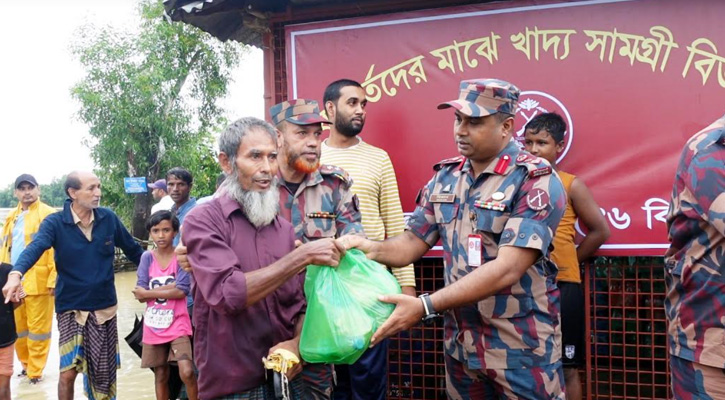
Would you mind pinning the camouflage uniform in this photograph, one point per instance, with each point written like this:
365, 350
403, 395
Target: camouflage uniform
495, 347
322, 207
695, 267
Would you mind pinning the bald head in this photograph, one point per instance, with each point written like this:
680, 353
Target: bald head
83, 188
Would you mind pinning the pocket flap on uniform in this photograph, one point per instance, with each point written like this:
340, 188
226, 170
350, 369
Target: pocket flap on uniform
491, 220
445, 212
319, 228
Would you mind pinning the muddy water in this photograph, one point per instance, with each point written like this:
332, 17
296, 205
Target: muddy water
133, 382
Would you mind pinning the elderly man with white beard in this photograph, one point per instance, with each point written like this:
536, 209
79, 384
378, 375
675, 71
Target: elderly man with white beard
248, 302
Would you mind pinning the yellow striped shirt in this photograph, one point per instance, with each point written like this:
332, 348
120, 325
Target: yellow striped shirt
374, 184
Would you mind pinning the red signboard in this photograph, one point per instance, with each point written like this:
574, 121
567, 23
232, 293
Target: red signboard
633, 78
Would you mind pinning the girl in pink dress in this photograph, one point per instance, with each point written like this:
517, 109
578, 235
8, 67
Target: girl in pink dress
163, 286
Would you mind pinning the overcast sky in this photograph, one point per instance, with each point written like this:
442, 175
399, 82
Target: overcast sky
39, 133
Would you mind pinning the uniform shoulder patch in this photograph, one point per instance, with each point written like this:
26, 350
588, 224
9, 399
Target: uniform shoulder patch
339, 173
448, 161
536, 166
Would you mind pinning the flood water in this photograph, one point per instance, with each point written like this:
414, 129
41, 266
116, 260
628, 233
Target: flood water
133, 381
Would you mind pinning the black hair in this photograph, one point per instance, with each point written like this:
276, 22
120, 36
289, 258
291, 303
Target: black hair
162, 215
501, 117
71, 182
332, 91
180, 173
549, 122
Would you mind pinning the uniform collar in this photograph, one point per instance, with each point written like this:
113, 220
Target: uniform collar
312, 179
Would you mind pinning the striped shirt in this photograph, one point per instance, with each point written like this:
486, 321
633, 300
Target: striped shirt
374, 184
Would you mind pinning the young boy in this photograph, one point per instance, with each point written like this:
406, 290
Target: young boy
544, 137
163, 286
7, 335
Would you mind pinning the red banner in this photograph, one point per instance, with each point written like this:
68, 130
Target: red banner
633, 78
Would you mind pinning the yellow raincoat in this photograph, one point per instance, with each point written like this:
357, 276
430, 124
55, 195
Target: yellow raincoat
34, 318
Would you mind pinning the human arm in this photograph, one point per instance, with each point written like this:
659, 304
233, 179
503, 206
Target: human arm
52, 273
706, 182
43, 240
535, 213
219, 276
391, 212
395, 251
142, 275
587, 210
162, 292
503, 271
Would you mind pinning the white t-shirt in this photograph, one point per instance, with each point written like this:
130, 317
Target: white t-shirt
164, 204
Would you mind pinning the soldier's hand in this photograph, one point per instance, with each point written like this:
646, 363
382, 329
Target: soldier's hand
408, 312
322, 252
182, 259
11, 290
367, 246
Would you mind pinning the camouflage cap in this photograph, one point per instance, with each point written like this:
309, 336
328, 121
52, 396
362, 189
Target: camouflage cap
298, 112
481, 97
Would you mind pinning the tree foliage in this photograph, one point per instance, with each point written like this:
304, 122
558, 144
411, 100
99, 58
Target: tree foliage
150, 100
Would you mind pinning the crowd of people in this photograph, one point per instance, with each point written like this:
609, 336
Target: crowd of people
223, 285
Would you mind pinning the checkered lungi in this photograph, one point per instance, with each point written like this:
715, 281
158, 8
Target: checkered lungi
92, 350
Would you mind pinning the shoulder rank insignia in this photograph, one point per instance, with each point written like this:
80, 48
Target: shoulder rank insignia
526, 157
321, 214
502, 164
539, 172
336, 171
448, 161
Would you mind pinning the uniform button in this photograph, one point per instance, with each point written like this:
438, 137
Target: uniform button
522, 235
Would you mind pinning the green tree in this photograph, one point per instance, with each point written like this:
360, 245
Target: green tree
7, 197
150, 99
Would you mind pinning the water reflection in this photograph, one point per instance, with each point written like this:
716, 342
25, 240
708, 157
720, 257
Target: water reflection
133, 382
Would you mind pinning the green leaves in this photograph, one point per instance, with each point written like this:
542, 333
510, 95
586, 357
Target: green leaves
156, 85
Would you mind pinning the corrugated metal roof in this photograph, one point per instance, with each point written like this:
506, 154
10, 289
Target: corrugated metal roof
247, 20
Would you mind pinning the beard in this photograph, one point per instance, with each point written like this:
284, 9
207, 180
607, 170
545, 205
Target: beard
346, 127
260, 207
305, 167
301, 165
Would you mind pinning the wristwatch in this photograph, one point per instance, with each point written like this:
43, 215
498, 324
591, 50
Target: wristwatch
430, 315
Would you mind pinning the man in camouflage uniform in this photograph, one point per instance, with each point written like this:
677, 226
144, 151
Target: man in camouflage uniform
495, 210
315, 198
695, 267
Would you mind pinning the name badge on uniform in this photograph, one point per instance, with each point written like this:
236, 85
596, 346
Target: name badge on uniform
442, 198
474, 250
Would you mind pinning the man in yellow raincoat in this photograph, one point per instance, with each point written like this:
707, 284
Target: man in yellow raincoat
34, 318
